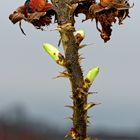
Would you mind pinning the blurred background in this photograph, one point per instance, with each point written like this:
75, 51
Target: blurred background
32, 101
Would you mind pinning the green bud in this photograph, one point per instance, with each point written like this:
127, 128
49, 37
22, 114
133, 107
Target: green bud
79, 36
90, 77
81, 32
54, 53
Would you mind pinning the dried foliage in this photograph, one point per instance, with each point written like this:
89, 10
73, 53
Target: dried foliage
83, 8
38, 17
105, 12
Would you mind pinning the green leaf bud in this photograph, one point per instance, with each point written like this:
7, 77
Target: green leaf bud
90, 77
54, 53
81, 32
79, 36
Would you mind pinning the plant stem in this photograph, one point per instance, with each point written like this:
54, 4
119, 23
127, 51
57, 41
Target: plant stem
66, 28
76, 79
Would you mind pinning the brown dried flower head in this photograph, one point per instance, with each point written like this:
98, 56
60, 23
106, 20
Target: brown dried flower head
38, 18
105, 12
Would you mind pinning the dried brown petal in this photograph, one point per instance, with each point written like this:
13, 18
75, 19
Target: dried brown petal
83, 8
106, 12
38, 19
17, 15
108, 15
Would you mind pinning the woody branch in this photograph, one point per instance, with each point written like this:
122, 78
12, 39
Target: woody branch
66, 28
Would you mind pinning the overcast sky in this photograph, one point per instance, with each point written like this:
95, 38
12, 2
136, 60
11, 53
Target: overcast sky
26, 71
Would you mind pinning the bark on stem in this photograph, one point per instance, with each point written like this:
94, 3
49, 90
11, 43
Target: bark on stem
65, 19
76, 79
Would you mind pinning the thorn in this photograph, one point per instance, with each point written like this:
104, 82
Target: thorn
88, 122
87, 125
89, 105
54, 29
71, 97
70, 118
89, 93
71, 107
66, 136
79, 55
94, 92
63, 74
80, 59
85, 45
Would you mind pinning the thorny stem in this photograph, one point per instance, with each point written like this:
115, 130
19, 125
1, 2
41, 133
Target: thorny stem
76, 79
66, 28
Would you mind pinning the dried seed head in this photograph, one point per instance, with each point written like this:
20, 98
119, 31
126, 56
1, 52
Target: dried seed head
106, 12
39, 15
